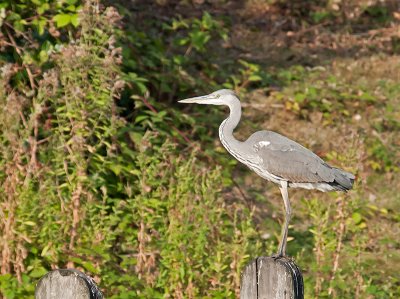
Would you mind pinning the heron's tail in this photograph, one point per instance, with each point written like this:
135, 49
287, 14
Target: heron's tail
343, 180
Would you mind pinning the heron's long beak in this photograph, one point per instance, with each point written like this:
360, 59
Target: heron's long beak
198, 100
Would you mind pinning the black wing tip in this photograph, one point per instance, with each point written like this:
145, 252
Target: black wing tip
343, 180
342, 185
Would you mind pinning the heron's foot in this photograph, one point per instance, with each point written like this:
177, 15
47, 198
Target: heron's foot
278, 256
284, 258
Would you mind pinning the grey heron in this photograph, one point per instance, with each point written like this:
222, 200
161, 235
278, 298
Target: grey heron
275, 157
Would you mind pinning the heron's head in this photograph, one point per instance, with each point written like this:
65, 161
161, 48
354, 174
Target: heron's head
219, 97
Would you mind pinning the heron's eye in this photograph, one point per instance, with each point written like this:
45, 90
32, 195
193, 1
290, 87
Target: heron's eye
217, 96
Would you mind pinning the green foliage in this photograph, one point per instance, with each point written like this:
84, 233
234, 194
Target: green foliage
82, 187
174, 52
327, 95
34, 29
337, 236
382, 158
341, 266
167, 239
51, 141
248, 75
321, 16
379, 13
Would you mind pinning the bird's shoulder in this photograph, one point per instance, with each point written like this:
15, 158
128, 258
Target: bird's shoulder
272, 141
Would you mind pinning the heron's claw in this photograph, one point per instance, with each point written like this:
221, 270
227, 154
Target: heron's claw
277, 256
285, 258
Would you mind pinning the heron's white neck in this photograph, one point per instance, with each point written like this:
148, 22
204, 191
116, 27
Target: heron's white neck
228, 125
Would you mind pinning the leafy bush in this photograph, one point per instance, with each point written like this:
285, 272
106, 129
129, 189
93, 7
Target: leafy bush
33, 30
165, 236
82, 187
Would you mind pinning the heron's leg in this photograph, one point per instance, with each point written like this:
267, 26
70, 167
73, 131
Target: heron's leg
288, 214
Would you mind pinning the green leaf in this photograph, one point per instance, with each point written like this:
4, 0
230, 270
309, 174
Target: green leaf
43, 56
43, 8
182, 41
75, 20
27, 58
116, 169
177, 24
45, 249
255, 78
41, 24
19, 25
136, 137
38, 272
299, 97
356, 217
71, 8
207, 21
140, 118
30, 223
88, 266
199, 39
62, 20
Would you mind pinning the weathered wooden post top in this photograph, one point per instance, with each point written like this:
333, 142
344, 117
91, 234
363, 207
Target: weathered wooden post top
67, 284
271, 278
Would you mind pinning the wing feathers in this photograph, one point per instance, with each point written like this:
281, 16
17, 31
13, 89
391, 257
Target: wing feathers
295, 166
291, 161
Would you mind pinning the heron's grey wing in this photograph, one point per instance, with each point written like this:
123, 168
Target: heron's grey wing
289, 160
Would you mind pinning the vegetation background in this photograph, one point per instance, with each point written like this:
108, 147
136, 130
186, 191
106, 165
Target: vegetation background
101, 170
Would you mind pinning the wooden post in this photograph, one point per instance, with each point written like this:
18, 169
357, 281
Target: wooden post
67, 284
271, 278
